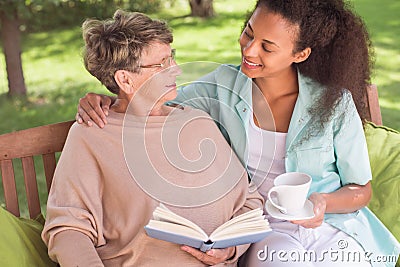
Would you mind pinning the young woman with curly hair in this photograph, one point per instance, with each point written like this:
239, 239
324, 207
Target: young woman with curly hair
300, 86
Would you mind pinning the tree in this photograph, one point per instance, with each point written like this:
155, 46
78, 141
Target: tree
202, 8
13, 13
11, 38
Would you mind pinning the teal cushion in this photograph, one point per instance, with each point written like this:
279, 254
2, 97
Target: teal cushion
384, 153
20, 242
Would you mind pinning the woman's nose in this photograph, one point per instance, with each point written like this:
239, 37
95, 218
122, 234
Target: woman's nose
250, 49
175, 69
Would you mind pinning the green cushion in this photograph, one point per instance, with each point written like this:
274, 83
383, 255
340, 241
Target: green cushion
384, 153
21, 244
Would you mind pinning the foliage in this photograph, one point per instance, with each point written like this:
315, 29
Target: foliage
383, 22
52, 60
49, 14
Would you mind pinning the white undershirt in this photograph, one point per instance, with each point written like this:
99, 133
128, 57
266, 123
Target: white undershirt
266, 156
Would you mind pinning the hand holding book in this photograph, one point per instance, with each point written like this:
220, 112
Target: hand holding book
213, 256
246, 228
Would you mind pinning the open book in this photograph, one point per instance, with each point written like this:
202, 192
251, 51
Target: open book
246, 228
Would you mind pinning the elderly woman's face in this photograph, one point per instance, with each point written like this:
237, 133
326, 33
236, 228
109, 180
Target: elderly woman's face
157, 78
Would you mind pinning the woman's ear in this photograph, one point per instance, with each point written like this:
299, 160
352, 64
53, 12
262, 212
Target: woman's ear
124, 80
302, 55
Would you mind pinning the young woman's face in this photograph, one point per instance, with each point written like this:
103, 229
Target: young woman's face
267, 45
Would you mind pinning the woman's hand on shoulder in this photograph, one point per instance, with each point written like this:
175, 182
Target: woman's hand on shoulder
211, 257
94, 108
319, 203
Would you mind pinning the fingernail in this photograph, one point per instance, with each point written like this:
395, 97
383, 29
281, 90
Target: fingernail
106, 112
210, 253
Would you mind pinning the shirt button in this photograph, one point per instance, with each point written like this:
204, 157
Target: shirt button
245, 109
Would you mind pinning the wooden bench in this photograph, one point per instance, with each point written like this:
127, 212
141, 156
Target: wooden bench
46, 140
372, 101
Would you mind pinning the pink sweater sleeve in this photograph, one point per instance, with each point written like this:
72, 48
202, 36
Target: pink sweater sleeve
73, 248
74, 218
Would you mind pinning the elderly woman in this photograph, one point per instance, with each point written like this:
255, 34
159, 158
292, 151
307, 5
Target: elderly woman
101, 198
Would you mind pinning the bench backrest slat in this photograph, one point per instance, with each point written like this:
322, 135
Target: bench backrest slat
42, 141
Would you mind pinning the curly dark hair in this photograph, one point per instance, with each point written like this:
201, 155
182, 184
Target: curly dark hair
341, 54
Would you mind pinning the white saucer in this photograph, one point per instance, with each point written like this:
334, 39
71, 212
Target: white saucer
306, 213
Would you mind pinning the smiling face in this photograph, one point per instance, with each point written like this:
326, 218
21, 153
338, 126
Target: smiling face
267, 44
151, 86
158, 83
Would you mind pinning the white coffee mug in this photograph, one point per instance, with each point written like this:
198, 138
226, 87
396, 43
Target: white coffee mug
291, 189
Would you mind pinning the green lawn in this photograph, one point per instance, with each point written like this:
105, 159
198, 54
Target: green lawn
56, 78
383, 21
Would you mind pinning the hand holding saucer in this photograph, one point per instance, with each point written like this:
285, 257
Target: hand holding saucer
307, 212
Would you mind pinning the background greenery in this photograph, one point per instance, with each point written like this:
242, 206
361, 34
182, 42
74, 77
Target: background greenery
56, 79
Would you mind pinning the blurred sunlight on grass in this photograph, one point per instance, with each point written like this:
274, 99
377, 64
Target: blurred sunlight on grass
383, 21
56, 78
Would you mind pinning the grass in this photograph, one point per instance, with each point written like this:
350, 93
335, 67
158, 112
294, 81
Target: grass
56, 78
383, 23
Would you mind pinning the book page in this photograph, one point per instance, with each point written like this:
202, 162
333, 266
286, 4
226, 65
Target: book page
246, 228
241, 230
253, 215
163, 214
247, 223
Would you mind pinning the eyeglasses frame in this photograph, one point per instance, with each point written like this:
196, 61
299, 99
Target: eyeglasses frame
162, 64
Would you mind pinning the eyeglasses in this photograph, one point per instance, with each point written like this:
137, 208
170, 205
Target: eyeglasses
167, 62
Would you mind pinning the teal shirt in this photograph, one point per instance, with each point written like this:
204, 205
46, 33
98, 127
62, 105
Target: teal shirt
334, 157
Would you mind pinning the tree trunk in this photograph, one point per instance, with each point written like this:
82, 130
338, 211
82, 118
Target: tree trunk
11, 38
202, 8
